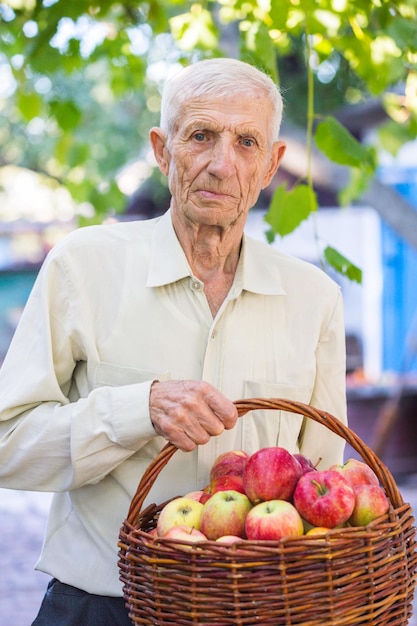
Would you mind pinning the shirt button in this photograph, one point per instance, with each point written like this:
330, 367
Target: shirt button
195, 285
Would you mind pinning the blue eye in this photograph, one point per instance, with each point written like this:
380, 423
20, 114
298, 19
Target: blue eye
199, 136
247, 141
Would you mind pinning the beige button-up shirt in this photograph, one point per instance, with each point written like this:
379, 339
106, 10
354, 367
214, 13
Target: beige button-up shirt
116, 307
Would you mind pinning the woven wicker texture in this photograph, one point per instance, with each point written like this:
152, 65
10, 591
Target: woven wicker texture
348, 577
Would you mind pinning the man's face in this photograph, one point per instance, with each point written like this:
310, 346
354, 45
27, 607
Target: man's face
219, 158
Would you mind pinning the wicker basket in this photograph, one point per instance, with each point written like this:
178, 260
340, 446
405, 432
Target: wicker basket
348, 577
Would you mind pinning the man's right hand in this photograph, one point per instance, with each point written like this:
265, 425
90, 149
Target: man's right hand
187, 413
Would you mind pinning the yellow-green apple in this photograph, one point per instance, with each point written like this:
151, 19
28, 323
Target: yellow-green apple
222, 483
271, 474
273, 519
370, 502
232, 462
324, 498
224, 514
185, 533
305, 462
356, 473
179, 512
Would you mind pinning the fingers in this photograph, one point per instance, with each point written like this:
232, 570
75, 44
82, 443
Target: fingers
223, 408
188, 413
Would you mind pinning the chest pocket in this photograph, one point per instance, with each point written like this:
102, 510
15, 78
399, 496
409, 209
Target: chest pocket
263, 428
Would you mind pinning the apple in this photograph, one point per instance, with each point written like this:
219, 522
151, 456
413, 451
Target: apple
229, 539
179, 511
194, 495
222, 483
271, 474
225, 514
317, 530
370, 502
273, 519
305, 462
324, 498
232, 462
356, 473
185, 533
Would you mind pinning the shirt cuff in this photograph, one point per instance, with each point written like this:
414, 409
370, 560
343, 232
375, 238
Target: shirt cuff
130, 414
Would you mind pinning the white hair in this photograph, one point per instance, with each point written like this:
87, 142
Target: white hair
218, 77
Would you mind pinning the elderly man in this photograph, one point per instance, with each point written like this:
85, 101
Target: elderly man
138, 333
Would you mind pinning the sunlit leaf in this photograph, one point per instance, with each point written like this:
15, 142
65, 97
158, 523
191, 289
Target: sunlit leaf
30, 105
258, 49
289, 208
342, 265
337, 143
194, 29
378, 61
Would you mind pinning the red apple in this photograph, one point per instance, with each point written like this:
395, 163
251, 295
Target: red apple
356, 473
324, 498
232, 462
271, 474
225, 514
273, 519
185, 533
370, 502
305, 462
222, 483
179, 512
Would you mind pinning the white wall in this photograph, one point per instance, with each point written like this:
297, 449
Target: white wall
355, 233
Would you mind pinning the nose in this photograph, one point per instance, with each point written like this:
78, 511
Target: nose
222, 161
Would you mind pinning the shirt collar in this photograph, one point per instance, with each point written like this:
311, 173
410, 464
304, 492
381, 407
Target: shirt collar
257, 269
168, 262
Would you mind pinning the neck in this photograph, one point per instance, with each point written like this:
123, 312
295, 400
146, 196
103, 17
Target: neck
213, 255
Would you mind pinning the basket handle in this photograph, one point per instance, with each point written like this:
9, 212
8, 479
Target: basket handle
244, 406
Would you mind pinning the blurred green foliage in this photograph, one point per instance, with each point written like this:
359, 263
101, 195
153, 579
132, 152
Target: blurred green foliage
80, 82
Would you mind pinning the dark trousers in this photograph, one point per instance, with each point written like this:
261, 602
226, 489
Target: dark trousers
64, 605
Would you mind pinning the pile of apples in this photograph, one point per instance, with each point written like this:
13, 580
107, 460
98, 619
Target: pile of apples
270, 495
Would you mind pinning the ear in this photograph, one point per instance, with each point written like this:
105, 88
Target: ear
277, 153
158, 141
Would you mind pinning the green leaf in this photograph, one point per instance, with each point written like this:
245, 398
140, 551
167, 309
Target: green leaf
342, 265
393, 135
30, 105
108, 201
66, 113
279, 14
377, 61
404, 32
289, 208
195, 29
258, 49
357, 185
337, 143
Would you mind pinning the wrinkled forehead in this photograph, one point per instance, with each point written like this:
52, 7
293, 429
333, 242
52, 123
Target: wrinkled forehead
241, 114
